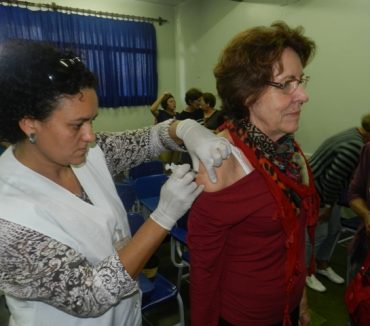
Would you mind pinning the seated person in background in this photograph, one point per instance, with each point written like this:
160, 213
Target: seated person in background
193, 99
212, 118
168, 110
333, 165
246, 232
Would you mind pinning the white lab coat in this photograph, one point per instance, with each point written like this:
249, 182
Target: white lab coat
29, 199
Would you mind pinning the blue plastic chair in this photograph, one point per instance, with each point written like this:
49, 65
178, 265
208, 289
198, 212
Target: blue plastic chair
179, 250
146, 168
127, 194
147, 190
150, 185
161, 289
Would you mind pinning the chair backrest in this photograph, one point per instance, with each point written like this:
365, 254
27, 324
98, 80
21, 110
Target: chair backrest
149, 186
127, 194
146, 168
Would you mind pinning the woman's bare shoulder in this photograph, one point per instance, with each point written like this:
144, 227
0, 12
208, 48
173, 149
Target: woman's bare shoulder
231, 170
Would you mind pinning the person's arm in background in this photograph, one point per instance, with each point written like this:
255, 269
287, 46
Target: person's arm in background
358, 195
359, 206
335, 178
155, 106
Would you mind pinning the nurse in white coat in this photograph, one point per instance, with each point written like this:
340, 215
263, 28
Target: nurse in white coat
66, 253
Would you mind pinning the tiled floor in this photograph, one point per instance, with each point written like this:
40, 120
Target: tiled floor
327, 308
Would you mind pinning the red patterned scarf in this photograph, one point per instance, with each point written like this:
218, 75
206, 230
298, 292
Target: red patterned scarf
289, 178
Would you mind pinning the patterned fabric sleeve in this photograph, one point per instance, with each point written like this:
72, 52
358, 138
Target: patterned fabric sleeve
36, 267
127, 149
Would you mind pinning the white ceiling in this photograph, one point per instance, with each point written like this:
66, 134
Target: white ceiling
164, 2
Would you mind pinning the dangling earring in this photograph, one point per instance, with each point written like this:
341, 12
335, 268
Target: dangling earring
32, 138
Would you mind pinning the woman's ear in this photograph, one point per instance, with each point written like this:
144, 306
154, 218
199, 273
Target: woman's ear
28, 125
249, 101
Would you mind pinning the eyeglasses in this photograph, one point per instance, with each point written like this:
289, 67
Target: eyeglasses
289, 86
62, 70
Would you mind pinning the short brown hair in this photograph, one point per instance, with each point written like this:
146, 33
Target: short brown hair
192, 94
247, 63
365, 122
210, 99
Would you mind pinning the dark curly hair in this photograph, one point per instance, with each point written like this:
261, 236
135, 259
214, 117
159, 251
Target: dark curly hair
33, 76
164, 102
247, 63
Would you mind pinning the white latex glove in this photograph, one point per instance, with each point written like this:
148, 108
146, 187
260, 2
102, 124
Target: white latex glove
177, 196
203, 145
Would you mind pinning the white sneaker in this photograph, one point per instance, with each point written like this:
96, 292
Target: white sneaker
331, 275
313, 283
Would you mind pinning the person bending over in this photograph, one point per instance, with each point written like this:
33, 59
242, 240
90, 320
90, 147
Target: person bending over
66, 253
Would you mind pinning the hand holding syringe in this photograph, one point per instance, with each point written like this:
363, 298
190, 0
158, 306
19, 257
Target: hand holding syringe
177, 195
170, 167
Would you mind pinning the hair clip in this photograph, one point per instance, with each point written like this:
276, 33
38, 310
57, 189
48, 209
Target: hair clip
69, 61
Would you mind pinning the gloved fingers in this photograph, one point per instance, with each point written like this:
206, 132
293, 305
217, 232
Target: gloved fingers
180, 183
198, 190
216, 156
224, 148
190, 188
188, 178
181, 188
211, 171
192, 192
195, 161
220, 153
180, 170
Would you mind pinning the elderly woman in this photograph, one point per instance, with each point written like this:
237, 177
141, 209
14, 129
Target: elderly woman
66, 253
246, 232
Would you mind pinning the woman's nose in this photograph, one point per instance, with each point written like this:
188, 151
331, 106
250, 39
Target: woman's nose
89, 135
301, 93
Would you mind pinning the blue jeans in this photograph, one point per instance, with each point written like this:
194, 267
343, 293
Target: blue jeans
326, 236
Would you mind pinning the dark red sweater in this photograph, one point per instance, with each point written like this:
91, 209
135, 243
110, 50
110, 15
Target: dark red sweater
238, 256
